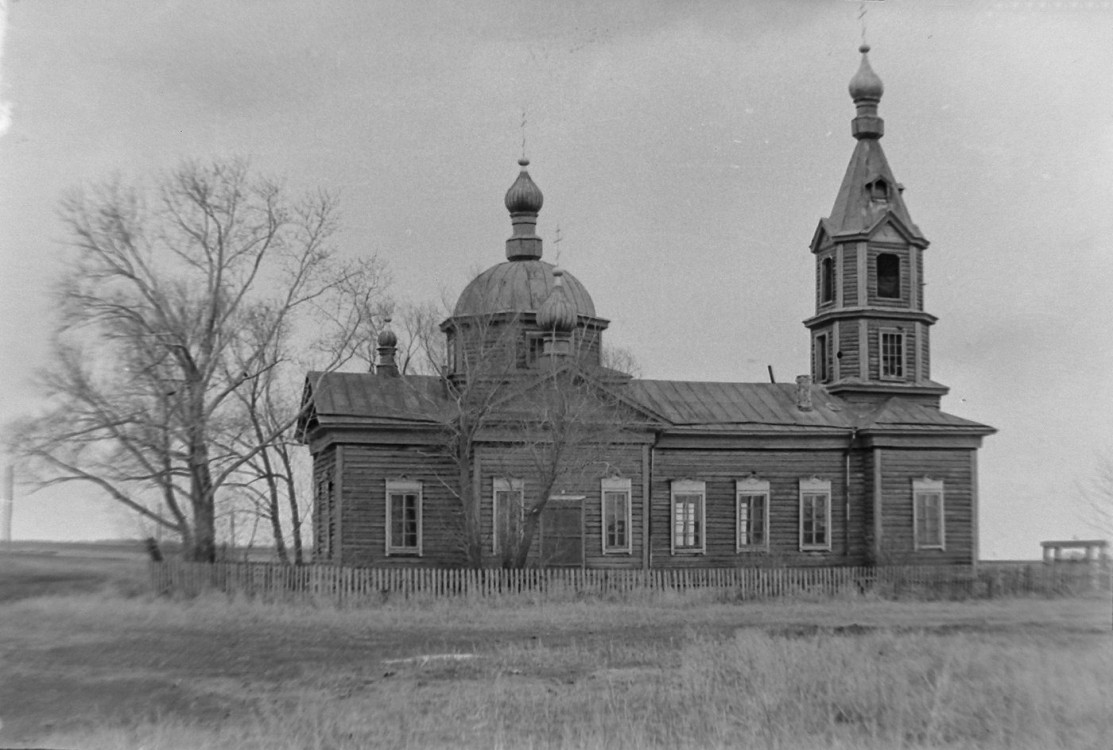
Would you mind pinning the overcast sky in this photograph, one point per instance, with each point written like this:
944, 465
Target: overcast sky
686, 152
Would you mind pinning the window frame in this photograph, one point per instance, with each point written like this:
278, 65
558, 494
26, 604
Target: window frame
827, 280
877, 276
506, 485
613, 486
922, 489
814, 487
751, 487
824, 366
688, 487
882, 356
404, 488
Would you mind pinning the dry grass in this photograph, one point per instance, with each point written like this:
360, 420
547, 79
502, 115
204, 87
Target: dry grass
106, 670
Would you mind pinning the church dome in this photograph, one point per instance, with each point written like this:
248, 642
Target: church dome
557, 313
866, 85
524, 196
520, 286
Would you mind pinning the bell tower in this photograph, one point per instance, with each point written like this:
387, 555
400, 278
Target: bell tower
869, 334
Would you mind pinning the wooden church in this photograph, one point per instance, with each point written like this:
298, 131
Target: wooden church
527, 450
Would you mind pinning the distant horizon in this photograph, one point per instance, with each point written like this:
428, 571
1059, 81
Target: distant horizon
686, 152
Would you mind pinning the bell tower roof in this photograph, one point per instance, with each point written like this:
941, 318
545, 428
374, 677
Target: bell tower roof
869, 193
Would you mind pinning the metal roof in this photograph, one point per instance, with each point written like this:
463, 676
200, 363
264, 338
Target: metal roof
519, 286
366, 398
706, 403
366, 395
854, 212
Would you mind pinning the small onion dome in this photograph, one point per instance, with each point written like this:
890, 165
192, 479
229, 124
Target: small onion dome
557, 312
865, 84
524, 197
387, 336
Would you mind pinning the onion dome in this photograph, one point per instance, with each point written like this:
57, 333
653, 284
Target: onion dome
524, 196
866, 84
523, 201
557, 313
387, 337
866, 89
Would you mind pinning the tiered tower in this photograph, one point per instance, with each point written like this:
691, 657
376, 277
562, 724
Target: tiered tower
869, 334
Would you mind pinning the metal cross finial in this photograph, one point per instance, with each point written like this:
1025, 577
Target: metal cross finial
862, 19
523, 132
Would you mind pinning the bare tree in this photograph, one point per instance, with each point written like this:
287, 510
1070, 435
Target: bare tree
1097, 496
557, 431
551, 418
177, 300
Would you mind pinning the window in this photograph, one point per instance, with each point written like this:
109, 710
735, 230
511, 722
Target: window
688, 516
888, 276
508, 506
927, 511
892, 354
878, 190
815, 514
403, 517
827, 280
615, 495
823, 358
753, 514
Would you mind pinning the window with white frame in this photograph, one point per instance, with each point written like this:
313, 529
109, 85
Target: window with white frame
892, 354
403, 517
815, 514
752, 496
928, 528
688, 498
508, 507
615, 494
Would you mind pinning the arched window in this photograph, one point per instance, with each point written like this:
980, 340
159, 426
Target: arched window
827, 280
888, 276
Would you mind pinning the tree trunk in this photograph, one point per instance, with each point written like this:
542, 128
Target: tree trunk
525, 540
202, 497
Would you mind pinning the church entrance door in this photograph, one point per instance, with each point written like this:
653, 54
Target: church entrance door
562, 532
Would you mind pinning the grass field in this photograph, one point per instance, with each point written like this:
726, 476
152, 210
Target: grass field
95, 664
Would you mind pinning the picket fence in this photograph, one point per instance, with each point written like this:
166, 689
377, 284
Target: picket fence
356, 586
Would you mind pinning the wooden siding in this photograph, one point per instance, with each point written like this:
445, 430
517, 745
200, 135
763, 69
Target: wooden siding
849, 363
849, 278
324, 502
898, 469
918, 254
925, 352
366, 471
783, 470
497, 463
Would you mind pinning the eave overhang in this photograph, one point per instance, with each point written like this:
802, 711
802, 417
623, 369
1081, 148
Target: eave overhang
923, 388
879, 313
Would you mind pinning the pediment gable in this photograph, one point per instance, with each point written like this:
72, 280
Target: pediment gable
573, 389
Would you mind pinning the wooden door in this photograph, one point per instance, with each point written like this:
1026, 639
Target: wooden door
562, 533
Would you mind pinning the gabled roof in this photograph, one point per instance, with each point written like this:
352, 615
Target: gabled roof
854, 212
362, 396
